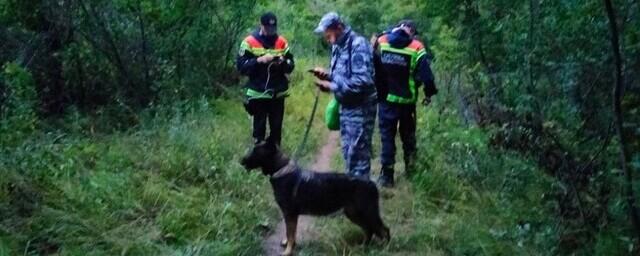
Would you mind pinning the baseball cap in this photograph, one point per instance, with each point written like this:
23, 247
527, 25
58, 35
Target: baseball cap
410, 24
327, 21
269, 21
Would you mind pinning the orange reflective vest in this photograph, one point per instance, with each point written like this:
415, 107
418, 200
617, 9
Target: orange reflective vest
254, 46
400, 65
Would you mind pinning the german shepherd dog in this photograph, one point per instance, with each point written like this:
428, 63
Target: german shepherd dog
304, 192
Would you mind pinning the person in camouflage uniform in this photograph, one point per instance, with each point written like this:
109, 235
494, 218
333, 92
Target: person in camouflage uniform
351, 80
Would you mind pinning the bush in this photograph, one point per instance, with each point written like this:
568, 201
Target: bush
18, 102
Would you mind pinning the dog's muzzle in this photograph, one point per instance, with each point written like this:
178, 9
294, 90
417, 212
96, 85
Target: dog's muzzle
245, 163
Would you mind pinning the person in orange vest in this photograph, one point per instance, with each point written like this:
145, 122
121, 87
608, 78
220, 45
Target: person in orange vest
401, 65
265, 58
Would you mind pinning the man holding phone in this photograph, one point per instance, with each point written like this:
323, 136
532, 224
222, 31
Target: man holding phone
265, 58
350, 79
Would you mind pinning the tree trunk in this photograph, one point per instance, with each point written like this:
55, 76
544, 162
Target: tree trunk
145, 48
619, 118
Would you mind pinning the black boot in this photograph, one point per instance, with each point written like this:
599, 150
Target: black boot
386, 177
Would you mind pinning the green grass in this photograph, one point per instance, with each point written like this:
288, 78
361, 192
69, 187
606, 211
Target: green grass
468, 199
170, 186
173, 186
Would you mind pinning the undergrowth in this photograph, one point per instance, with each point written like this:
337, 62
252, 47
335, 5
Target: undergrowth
171, 185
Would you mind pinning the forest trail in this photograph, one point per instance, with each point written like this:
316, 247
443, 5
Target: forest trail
122, 123
271, 245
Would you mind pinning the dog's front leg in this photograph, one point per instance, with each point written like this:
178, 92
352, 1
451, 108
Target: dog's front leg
291, 222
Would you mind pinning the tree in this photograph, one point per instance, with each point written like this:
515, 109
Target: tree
618, 94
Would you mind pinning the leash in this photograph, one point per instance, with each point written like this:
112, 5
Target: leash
294, 160
296, 154
309, 123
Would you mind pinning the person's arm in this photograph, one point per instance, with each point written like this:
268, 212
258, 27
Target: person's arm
246, 62
380, 78
425, 76
361, 71
288, 63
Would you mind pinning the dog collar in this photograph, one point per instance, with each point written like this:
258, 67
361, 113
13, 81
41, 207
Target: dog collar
289, 168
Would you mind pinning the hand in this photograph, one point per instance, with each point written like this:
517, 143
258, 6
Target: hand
426, 101
321, 73
323, 85
265, 58
278, 59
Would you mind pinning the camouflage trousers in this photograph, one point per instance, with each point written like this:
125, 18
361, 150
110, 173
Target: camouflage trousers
356, 130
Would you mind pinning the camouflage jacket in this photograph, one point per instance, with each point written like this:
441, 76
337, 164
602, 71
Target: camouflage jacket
352, 70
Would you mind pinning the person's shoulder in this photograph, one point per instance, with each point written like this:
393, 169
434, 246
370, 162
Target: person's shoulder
248, 38
282, 38
360, 41
416, 45
251, 41
282, 42
384, 38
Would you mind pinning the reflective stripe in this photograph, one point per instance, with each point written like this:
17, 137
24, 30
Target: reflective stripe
415, 55
421, 54
255, 47
400, 100
262, 51
252, 45
388, 47
253, 94
245, 46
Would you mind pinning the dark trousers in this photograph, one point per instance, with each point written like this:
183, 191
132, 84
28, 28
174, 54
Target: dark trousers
271, 110
394, 117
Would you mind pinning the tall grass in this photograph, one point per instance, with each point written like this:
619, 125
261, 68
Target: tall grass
170, 186
467, 198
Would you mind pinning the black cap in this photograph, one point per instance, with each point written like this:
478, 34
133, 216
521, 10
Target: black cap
410, 24
269, 20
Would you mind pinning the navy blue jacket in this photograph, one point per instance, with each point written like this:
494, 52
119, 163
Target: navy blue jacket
423, 73
259, 73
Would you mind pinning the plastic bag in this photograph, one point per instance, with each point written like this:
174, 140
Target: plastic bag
332, 115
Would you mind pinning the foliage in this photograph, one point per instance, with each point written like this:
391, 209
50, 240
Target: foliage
121, 128
173, 186
17, 105
127, 54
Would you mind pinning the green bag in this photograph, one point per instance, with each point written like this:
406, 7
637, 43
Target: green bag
332, 115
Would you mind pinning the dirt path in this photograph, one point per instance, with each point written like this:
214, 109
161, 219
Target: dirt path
271, 245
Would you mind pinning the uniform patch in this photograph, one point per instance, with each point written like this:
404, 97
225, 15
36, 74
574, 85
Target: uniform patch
394, 59
359, 64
